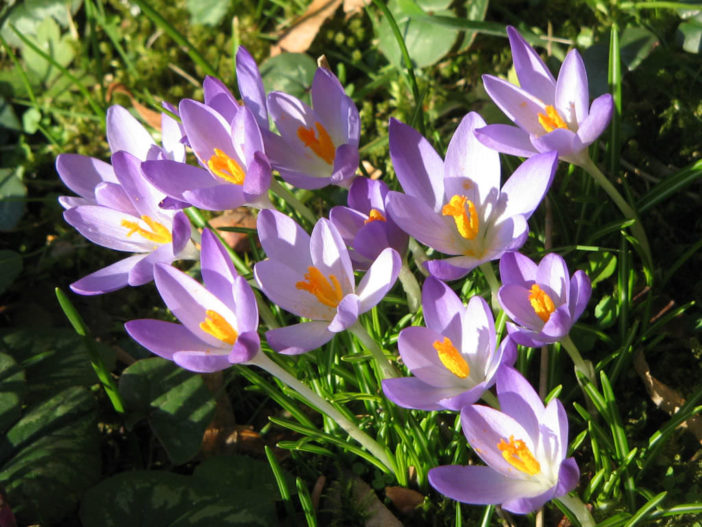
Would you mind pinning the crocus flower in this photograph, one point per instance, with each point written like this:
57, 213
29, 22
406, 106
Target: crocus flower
236, 171
456, 206
524, 446
312, 277
550, 114
454, 358
248, 78
317, 146
91, 178
218, 320
126, 217
543, 300
364, 225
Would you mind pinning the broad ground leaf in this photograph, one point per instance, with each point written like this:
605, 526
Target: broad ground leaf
288, 72
175, 402
12, 196
11, 390
10, 268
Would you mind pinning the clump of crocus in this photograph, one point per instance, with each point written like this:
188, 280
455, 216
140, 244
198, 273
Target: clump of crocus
454, 358
524, 446
126, 217
550, 114
312, 277
543, 300
317, 146
456, 206
219, 320
364, 225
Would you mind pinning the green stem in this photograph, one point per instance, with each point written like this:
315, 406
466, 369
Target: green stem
494, 284
291, 200
629, 213
490, 398
411, 287
419, 256
389, 371
575, 505
264, 362
581, 365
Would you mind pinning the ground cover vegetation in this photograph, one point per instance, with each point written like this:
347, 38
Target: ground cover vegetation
588, 414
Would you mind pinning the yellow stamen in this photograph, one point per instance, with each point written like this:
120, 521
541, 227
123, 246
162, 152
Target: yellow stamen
374, 215
327, 291
321, 144
518, 455
449, 357
159, 233
541, 302
225, 167
215, 325
551, 119
466, 222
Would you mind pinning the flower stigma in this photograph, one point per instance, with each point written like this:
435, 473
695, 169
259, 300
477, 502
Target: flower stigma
374, 215
466, 221
226, 168
215, 325
158, 233
320, 143
541, 303
551, 119
327, 291
518, 455
451, 358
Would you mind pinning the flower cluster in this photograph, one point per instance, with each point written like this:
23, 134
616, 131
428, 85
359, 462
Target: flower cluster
456, 206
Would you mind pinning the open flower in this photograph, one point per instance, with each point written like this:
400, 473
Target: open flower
456, 206
543, 300
364, 225
219, 320
317, 146
550, 114
524, 446
127, 218
454, 358
312, 277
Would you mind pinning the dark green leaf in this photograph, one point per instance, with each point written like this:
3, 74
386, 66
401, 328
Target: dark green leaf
690, 34
12, 195
288, 72
207, 12
11, 391
10, 268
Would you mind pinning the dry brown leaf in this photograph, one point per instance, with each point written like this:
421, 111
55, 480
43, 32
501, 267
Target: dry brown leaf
317, 491
148, 115
299, 37
241, 217
351, 7
215, 436
405, 500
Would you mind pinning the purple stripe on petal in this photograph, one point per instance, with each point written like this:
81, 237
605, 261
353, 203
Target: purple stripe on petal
553, 272
107, 279
565, 142
580, 291
258, 178
250, 84
571, 89
174, 178
181, 233
82, 173
444, 270
112, 195
597, 120
219, 197
516, 268
346, 314
518, 104
219, 98
411, 392
164, 338
245, 348
534, 76
143, 271
345, 164
299, 338
506, 139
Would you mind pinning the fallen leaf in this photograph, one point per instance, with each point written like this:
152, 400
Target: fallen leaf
149, 116
317, 490
405, 500
298, 37
351, 7
241, 217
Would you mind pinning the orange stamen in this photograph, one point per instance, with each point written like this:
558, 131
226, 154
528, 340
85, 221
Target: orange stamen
226, 168
215, 325
541, 302
551, 119
466, 222
451, 358
327, 291
374, 215
321, 144
158, 233
518, 455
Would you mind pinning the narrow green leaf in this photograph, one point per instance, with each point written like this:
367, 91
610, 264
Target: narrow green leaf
306, 503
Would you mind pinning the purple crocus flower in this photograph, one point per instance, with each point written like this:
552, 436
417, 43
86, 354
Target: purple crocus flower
454, 358
550, 114
456, 206
126, 217
317, 146
312, 277
364, 225
236, 170
543, 300
524, 446
248, 78
219, 320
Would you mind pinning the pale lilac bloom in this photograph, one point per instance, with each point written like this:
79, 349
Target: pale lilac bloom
90, 177
456, 206
454, 358
550, 114
317, 146
524, 446
253, 94
219, 320
126, 217
364, 225
234, 172
544, 301
312, 277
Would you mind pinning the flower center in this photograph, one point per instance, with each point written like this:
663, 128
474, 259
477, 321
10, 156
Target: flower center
449, 357
320, 143
518, 455
541, 302
466, 221
374, 215
215, 325
158, 233
551, 119
226, 168
327, 291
